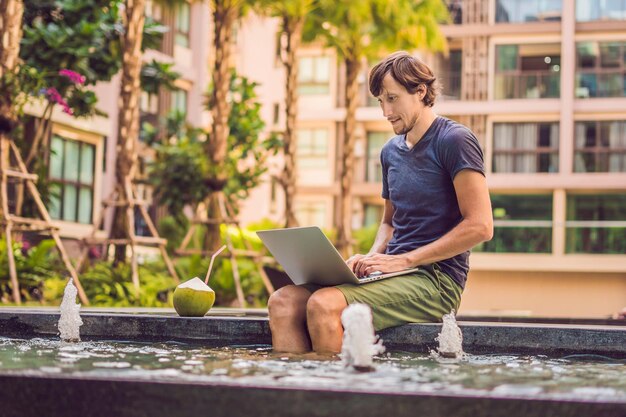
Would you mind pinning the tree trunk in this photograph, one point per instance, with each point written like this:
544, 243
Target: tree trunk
39, 139
128, 124
11, 12
224, 16
292, 26
346, 169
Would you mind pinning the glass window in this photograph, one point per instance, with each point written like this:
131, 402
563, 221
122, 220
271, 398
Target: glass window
182, 24
588, 10
312, 148
506, 57
154, 10
71, 175
600, 69
596, 224
314, 75
148, 115
522, 224
527, 71
372, 214
516, 11
525, 147
450, 75
311, 213
375, 142
179, 101
600, 146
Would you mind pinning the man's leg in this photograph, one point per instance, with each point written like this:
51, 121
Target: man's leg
323, 313
287, 313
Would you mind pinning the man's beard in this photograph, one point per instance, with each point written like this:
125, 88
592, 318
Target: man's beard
407, 128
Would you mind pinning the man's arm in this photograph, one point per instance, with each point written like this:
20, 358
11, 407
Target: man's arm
383, 236
475, 227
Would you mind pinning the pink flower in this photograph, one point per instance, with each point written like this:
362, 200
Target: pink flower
25, 247
73, 76
54, 96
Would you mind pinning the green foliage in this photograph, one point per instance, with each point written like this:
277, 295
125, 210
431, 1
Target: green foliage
111, 286
369, 28
247, 154
153, 33
155, 75
43, 278
80, 35
364, 238
34, 265
173, 229
183, 160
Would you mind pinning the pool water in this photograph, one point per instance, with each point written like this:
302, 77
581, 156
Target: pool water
587, 377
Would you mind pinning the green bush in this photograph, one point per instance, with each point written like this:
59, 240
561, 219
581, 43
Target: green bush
111, 286
34, 266
173, 230
364, 238
43, 277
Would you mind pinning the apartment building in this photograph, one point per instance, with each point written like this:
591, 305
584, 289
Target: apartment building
543, 86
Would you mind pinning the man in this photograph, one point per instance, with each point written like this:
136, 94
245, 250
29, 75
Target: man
436, 209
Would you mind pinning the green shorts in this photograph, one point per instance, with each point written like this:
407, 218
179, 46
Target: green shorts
421, 297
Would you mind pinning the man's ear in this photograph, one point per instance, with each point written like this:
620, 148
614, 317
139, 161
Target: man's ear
421, 91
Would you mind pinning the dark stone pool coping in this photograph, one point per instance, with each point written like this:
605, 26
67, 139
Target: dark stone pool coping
478, 337
36, 394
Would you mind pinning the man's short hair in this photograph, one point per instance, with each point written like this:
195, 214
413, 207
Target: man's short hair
409, 72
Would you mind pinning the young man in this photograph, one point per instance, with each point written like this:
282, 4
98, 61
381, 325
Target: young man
436, 209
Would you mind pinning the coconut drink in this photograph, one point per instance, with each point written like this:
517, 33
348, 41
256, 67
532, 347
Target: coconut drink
194, 298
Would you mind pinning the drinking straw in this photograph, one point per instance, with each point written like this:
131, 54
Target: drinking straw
208, 273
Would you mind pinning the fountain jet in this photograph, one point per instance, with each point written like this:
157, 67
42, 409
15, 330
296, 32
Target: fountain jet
360, 343
450, 339
70, 320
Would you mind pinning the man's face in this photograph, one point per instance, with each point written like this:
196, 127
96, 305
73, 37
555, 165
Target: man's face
400, 108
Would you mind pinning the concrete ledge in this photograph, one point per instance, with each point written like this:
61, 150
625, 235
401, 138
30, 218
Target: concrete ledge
483, 337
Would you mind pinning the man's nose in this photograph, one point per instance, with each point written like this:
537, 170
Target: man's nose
386, 110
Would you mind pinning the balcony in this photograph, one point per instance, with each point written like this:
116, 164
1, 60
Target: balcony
527, 84
600, 83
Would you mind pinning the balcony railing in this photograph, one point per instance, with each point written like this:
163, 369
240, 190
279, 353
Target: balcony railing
527, 84
602, 83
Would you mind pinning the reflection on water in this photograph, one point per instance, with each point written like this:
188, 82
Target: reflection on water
571, 377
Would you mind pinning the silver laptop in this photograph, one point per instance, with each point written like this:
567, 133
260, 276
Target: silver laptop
308, 257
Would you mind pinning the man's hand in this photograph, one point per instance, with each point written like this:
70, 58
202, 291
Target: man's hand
363, 265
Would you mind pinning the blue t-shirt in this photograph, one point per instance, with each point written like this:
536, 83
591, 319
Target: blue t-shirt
418, 181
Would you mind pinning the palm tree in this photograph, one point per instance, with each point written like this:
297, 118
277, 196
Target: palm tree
292, 15
225, 15
126, 163
128, 122
364, 30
